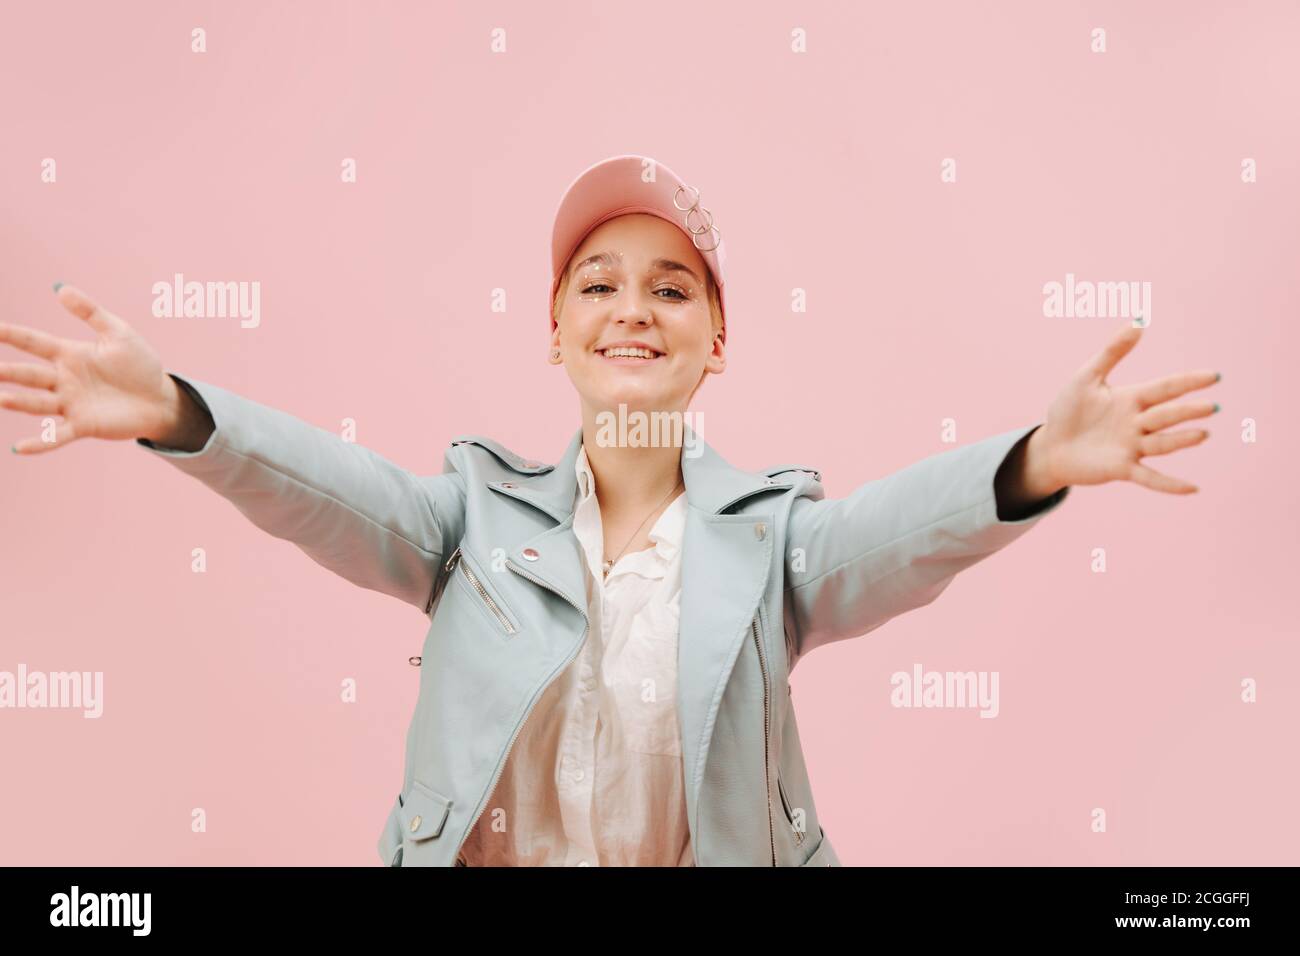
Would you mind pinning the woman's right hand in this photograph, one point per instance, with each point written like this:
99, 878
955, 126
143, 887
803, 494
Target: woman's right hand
114, 387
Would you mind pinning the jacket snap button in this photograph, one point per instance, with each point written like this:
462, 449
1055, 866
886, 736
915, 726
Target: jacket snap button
770, 481
414, 661
415, 822
507, 484
530, 554
760, 531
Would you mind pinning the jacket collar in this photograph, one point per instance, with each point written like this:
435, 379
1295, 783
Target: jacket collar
712, 484
727, 558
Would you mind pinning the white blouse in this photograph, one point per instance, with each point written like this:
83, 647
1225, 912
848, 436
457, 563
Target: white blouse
595, 776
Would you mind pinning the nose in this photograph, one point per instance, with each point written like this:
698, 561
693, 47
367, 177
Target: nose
635, 312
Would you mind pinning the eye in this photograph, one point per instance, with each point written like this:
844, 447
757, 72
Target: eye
598, 285
681, 296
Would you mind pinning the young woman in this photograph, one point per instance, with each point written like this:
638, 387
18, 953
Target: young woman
604, 680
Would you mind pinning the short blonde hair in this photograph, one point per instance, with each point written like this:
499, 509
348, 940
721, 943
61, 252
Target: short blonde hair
715, 302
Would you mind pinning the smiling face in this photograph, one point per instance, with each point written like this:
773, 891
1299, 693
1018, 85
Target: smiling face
634, 322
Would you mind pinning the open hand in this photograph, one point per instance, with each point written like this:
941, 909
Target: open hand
1096, 432
113, 386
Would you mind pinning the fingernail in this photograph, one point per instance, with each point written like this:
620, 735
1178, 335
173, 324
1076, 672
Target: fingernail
14, 449
1216, 407
58, 286
1218, 375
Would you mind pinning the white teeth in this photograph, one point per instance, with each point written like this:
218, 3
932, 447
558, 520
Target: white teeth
626, 352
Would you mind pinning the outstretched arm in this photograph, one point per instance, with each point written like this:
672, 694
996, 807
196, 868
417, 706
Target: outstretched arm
896, 543
348, 508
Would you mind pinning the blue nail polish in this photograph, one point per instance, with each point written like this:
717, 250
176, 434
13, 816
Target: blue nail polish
58, 286
1218, 375
1216, 406
14, 449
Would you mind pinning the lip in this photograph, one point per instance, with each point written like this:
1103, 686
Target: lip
628, 360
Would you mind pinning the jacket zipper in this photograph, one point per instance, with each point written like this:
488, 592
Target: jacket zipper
785, 800
477, 585
767, 776
531, 704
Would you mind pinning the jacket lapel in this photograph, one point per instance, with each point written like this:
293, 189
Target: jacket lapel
725, 563
558, 564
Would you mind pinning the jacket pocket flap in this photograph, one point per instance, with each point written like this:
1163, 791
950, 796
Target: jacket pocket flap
424, 812
824, 855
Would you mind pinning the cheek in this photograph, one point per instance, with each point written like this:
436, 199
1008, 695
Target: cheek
690, 333
691, 350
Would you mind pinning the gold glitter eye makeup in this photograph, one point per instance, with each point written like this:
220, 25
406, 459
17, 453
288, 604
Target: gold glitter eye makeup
599, 276
589, 288
595, 287
684, 295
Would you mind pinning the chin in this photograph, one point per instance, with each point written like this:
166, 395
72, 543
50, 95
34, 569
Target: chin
638, 400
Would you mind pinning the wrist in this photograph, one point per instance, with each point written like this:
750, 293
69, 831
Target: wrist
166, 416
1040, 479
178, 423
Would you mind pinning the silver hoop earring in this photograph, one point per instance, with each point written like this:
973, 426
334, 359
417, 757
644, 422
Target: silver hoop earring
705, 227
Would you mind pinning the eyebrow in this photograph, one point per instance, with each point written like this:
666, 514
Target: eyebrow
668, 265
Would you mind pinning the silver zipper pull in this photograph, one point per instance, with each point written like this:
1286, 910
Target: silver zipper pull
451, 562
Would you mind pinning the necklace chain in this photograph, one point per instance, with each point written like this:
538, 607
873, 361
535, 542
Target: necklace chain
608, 565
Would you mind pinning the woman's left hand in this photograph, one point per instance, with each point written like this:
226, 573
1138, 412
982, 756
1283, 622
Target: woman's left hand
1095, 432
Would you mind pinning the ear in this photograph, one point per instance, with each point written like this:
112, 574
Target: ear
716, 362
552, 355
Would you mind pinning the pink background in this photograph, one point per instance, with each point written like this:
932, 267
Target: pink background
1118, 690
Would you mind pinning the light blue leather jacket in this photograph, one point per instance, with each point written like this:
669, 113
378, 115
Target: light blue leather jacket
765, 555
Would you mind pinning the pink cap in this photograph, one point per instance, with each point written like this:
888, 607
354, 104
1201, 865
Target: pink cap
617, 186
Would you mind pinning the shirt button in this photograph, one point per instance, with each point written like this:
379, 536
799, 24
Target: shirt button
578, 775
583, 863
530, 554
